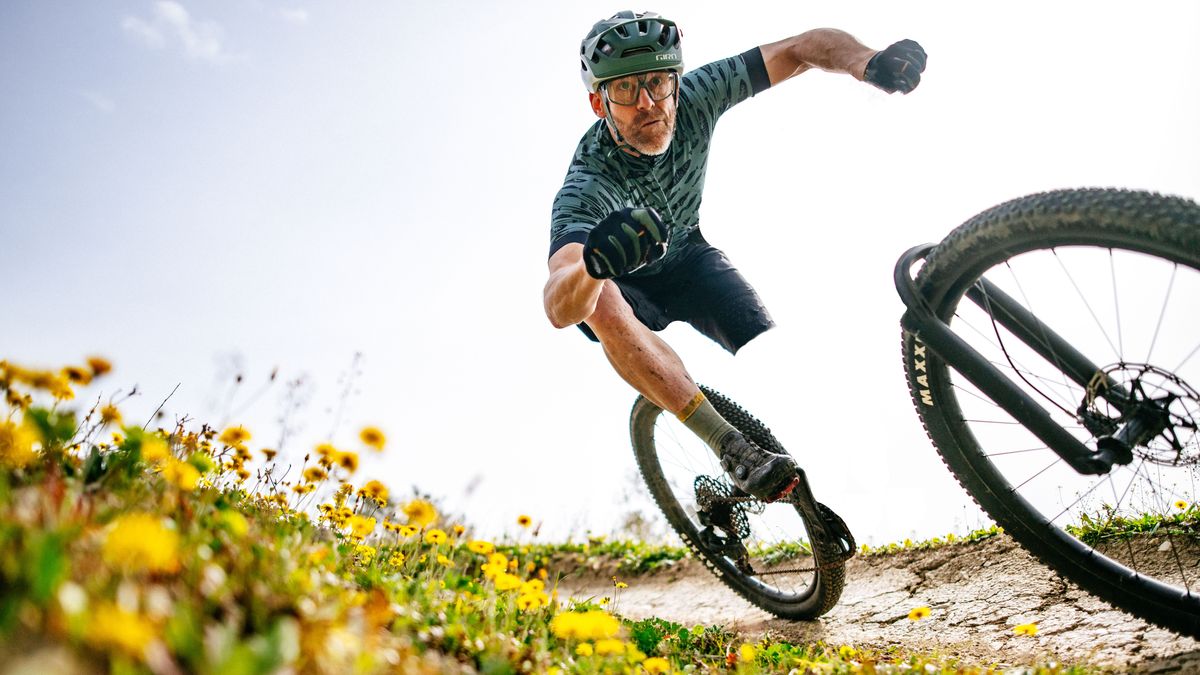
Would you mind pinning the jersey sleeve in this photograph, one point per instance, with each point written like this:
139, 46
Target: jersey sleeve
712, 89
584, 200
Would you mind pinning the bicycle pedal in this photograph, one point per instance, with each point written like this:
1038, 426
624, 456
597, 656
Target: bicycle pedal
786, 491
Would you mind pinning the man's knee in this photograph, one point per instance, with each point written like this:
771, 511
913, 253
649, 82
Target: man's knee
612, 311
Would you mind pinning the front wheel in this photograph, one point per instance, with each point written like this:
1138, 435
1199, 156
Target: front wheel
1116, 274
764, 552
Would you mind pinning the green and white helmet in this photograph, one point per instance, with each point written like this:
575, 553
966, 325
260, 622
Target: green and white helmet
629, 43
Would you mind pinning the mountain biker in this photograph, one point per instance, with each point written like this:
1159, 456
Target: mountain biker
626, 254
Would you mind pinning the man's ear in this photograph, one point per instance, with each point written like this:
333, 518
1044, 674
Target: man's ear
597, 104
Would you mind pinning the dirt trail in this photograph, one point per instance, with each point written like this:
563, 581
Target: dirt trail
977, 592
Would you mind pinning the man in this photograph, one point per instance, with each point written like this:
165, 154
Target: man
626, 254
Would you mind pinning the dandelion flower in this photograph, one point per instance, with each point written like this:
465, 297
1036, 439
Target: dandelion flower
435, 537
407, 531
583, 649
243, 473
16, 444
507, 582
610, 646
1181, 505
326, 450
347, 460
919, 613
140, 541
361, 527
1030, 629
99, 365
524, 520
372, 437
304, 488
530, 601
656, 665
533, 586
314, 474
375, 491
234, 437
181, 474
420, 512
396, 560
109, 414
747, 653
269, 453
443, 560
458, 530
112, 627
77, 375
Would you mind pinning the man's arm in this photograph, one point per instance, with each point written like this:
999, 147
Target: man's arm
824, 48
897, 68
571, 293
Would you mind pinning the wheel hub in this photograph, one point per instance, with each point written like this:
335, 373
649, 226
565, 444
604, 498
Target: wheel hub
1156, 417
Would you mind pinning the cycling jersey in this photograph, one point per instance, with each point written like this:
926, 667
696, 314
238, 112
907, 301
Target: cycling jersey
603, 178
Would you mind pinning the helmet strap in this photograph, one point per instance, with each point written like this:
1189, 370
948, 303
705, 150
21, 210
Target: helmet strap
622, 144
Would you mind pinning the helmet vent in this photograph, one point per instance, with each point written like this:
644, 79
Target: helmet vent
620, 30
635, 51
642, 28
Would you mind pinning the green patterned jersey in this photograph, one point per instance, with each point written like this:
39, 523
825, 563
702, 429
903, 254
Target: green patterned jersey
603, 179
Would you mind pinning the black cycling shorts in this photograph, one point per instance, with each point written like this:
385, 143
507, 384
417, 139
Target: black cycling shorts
702, 288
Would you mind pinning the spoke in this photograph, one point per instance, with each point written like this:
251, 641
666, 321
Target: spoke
1057, 460
1016, 452
1112, 266
1162, 313
1188, 357
1041, 328
1086, 303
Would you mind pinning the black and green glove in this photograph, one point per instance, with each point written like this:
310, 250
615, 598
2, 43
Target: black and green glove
623, 242
897, 68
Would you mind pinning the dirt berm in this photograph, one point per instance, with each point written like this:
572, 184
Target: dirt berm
977, 592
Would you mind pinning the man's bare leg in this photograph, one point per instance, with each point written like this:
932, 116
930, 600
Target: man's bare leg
640, 357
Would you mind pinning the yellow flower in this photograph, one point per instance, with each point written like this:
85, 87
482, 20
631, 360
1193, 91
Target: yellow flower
234, 437
458, 530
656, 665
507, 582
747, 653
407, 531
1029, 629
304, 488
77, 375
524, 520
610, 646
181, 474
139, 541
99, 365
1181, 505
583, 649
109, 414
314, 474
235, 522
396, 560
326, 450
154, 448
16, 444
269, 454
443, 560
420, 512
435, 537
347, 460
592, 625
481, 547
372, 437
533, 586
243, 473
919, 613
847, 652
361, 527
112, 627
374, 490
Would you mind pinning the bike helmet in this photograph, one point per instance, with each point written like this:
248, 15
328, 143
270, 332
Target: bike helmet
629, 43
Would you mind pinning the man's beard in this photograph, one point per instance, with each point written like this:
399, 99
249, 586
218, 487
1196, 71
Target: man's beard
653, 139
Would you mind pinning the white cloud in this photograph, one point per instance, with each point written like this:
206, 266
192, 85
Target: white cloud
172, 23
143, 31
99, 101
296, 15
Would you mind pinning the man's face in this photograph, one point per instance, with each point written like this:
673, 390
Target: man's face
645, 123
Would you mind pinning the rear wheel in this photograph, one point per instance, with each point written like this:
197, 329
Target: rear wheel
1117, 274
762, 551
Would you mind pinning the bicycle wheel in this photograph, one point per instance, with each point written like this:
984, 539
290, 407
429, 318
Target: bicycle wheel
761, 551
1117, 274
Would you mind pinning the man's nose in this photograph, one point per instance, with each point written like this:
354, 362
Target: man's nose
644, 102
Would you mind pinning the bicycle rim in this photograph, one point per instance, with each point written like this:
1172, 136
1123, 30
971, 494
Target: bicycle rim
1103, 269
763, 551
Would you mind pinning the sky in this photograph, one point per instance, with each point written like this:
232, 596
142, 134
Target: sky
356, 197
